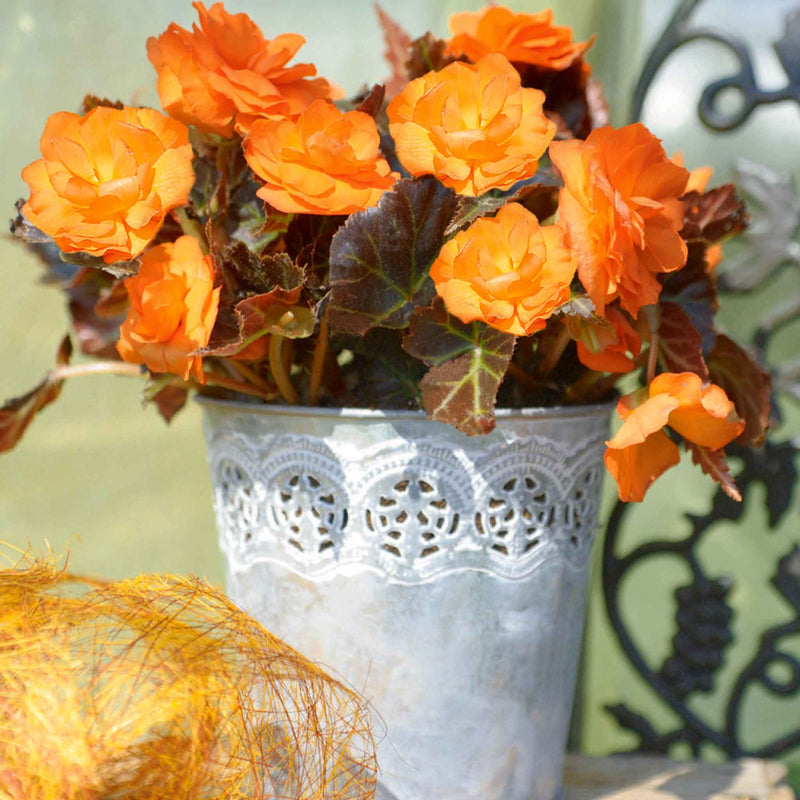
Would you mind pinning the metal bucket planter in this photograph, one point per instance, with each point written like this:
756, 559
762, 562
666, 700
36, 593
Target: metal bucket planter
443, 577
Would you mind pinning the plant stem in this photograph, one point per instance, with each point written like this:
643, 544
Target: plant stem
652, 359
251, 376
553, 356
214, 379
590, 387
191, 227
523, 377
96, 368
318, 360
279, 371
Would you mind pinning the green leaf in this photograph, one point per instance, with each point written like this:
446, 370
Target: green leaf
714, 463
381, 257
249, 222
18, 413
746, 383
680, 345
468, 363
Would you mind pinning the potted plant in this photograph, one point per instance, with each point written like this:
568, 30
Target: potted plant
406, 315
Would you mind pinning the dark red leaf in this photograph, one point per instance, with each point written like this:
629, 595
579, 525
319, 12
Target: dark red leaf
396, 53
539, 196
18, 413
372, 102
694, 289
468, 363
380, 259
714, 464
746, 383
91, 101
427, 53
170, 400
565, 94
713, 215
680, 345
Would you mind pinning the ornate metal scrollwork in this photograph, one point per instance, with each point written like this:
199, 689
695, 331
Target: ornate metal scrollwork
681, 31
704, 616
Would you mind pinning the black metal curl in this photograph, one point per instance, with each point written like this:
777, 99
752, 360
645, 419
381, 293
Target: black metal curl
699, 651
680, 32
704, 615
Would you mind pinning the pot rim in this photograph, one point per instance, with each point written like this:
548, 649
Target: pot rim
407, 415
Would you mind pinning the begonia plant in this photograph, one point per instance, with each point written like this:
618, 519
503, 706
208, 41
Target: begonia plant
469, 234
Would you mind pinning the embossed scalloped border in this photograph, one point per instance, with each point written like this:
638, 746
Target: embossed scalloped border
474, 466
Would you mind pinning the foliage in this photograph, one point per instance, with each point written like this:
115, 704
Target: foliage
317, 303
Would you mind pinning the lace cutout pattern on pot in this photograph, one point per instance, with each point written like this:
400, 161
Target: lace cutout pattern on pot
411, 509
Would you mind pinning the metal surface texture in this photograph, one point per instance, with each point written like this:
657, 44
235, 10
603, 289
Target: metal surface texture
443, 577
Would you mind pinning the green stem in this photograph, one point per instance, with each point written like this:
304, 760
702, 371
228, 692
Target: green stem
191, 227
279, 371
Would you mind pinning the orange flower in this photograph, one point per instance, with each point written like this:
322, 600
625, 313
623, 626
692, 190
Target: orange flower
225, 73
621, 212
698, 178
471, 125
173, 307
617, 355
521, 38
506, 270
108, 179
641, 451
325, 162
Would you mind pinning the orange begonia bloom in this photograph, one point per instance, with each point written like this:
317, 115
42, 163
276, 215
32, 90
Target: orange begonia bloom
326, 162
698, 177
173, 307
641, 451
618, 355
108, 179
225, 73
506, 270
621, 212
521, 38
471, 125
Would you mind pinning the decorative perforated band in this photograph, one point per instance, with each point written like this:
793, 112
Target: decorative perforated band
410, 509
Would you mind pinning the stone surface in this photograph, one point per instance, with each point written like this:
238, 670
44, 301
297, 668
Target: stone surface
654, 778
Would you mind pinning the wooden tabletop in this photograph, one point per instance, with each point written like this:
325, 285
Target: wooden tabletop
653, 778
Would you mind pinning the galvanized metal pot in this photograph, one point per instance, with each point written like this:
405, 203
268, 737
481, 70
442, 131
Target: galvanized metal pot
443, 577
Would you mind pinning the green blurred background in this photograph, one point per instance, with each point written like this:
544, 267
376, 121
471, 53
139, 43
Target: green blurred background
123, 492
